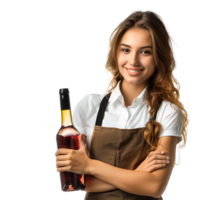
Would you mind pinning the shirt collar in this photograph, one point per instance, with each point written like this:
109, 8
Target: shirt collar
116, 94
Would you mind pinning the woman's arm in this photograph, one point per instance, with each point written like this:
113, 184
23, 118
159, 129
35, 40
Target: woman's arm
94, 184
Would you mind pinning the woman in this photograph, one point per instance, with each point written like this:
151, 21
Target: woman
139, 117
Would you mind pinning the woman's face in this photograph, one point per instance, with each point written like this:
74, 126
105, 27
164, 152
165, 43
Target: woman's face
136, 56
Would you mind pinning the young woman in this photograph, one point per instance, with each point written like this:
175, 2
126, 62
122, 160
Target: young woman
129, 126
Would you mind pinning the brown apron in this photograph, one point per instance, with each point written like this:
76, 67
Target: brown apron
118, 147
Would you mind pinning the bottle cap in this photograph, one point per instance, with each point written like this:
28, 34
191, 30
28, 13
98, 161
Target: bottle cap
64, 99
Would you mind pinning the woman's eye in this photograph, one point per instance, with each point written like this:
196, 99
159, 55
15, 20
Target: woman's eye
147, 51
125, 51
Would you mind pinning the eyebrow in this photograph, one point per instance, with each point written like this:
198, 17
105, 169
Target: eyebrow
140, 47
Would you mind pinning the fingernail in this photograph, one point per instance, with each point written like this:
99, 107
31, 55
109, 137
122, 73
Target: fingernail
162, 152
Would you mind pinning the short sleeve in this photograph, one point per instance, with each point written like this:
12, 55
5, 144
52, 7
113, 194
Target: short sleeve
79, 115
171, 122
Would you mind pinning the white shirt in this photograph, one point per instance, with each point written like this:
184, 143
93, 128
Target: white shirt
117, 115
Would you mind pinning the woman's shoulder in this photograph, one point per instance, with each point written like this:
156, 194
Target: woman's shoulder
168, 109
169, 106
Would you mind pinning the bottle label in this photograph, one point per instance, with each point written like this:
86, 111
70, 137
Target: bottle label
65, 117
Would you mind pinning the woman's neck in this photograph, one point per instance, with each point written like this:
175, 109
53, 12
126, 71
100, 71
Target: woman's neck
131, 91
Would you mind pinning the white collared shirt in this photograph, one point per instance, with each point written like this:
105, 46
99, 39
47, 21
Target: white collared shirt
117, 115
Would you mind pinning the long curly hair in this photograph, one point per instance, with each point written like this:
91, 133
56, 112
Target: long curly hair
162, 81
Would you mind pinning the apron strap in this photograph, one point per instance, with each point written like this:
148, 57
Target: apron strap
102, 109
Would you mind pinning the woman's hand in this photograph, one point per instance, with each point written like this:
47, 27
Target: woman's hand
71, 160
154, 160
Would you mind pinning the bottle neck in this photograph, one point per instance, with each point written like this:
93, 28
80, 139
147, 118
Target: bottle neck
66, 117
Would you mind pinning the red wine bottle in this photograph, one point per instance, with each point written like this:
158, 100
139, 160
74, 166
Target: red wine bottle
68, 137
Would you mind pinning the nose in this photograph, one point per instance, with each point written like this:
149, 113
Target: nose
134, 59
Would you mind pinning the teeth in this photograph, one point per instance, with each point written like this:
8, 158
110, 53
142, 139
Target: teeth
133, 70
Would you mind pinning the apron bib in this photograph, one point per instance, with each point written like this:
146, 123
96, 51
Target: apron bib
122, 148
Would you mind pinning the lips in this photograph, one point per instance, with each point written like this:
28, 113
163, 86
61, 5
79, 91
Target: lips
134, 69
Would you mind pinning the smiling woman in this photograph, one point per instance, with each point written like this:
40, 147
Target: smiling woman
148, 47
138, 117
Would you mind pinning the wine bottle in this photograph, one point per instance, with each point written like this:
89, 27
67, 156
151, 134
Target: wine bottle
68, 137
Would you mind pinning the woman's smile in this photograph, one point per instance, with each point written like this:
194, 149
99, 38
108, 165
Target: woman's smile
134, 72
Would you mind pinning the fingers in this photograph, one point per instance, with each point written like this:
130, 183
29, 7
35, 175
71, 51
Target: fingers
155, 167
153, 155
62, 163
157, 158
61, 157
157, 155
156, 152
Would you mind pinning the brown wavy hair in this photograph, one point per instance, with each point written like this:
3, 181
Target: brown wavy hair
162, 81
